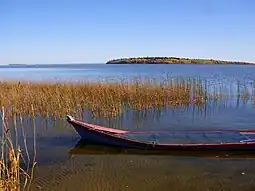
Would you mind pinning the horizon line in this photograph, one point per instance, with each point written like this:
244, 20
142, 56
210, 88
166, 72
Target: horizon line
104, 62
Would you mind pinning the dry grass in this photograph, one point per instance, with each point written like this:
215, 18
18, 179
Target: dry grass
12, 176
105, 99
99, 98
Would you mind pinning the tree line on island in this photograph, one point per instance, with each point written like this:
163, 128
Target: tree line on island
171, 60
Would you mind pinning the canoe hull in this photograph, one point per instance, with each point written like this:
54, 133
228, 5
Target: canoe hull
117, 138
104, 138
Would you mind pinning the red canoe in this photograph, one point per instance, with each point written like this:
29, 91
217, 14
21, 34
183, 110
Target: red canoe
175, 140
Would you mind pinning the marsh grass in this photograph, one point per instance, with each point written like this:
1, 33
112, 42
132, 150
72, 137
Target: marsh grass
12, 176
104, 99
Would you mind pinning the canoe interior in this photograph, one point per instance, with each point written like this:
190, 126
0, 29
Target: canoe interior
191, 137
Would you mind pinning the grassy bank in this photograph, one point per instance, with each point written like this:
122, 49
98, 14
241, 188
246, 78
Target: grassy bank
99, 98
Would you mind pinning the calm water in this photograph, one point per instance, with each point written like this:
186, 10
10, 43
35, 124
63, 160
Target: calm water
102, 71
61, 168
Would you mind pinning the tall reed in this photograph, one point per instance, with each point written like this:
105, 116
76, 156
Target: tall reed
106, 99
97, 97
12, 176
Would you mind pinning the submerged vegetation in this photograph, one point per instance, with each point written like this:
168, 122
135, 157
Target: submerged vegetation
171, 60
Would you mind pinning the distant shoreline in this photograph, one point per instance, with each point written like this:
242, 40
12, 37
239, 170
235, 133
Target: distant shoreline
173, 60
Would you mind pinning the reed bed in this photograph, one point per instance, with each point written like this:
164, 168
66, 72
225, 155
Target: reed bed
105, 99
99, 98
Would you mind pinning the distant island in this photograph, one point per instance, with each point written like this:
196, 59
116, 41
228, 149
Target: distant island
172, 60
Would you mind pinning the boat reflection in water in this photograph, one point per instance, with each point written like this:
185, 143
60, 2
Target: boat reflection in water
84, 147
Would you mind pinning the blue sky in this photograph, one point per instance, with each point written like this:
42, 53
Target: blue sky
94, 31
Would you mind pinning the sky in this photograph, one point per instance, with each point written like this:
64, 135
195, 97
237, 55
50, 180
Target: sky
94, 31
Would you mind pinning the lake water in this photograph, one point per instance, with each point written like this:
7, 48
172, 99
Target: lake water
229, 73
61, 169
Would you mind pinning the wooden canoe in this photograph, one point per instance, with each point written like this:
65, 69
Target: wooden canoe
175, 140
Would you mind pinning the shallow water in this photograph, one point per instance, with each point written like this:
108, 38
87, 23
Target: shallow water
118, 172
61, 167
59, 170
